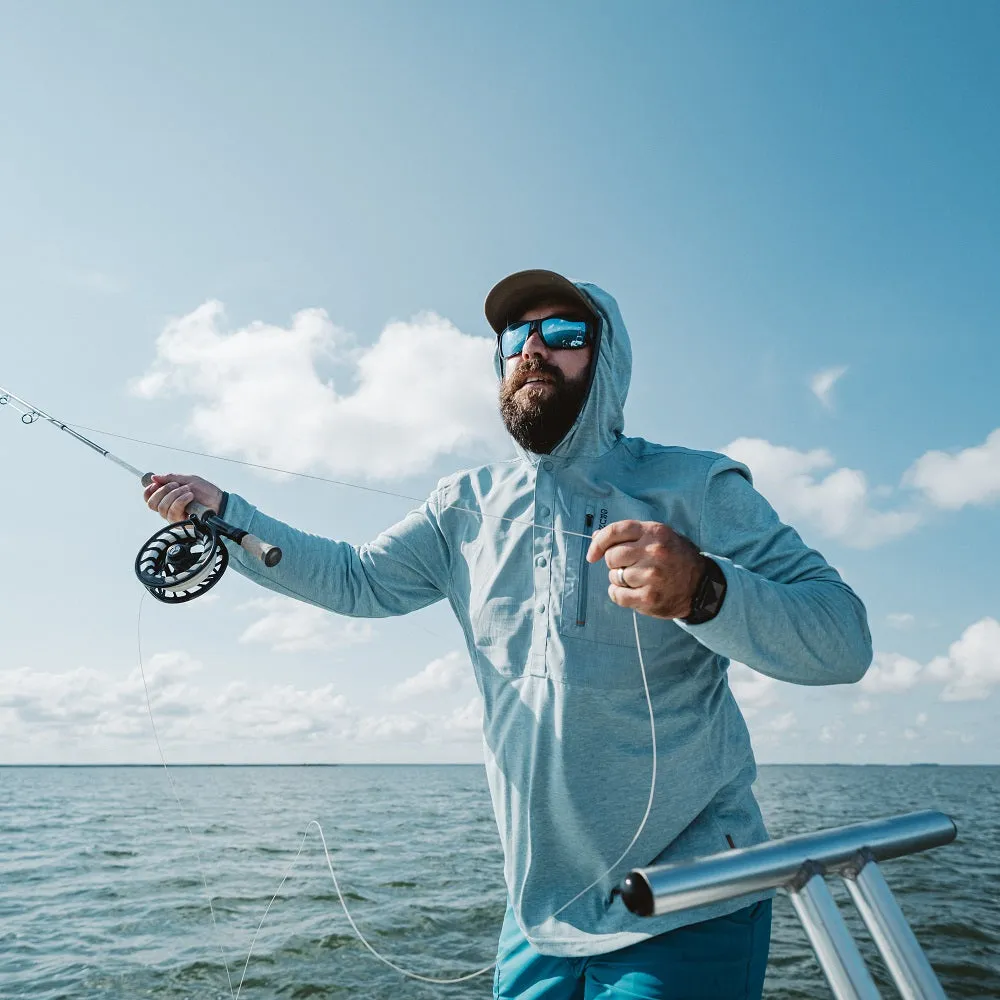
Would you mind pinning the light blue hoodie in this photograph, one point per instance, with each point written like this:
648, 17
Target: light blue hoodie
566, 726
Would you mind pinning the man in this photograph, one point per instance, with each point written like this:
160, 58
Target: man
713, 574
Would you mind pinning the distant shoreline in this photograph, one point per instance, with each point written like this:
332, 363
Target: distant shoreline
432, 764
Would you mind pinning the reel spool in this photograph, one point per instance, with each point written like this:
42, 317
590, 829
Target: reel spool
182, 561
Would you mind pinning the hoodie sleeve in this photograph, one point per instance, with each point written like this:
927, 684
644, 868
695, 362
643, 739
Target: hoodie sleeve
787, 613
404, 569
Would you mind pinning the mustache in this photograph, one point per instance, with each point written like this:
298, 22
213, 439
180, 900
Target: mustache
529, 369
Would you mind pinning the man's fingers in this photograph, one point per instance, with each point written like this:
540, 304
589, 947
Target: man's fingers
613, 534
155, 494
626, 554
174, 503
628, 597
170, 500
178, 509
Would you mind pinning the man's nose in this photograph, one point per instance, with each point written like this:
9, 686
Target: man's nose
535, 347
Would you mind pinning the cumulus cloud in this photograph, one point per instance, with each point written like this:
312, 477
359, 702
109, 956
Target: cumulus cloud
890, 673
467, 719
836, 502
971, 476
822, 384
410, 727
290, 626
83, 704
447, 673
262, 393
969, 671
281, 711
751, 689
901, 619
972, 667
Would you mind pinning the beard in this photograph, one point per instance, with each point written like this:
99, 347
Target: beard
539, 419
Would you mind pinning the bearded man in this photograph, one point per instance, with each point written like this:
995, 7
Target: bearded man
713, 575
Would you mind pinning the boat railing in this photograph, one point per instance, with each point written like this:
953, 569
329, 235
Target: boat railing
799, 866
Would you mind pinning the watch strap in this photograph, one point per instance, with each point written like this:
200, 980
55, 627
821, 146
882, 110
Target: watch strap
708, 595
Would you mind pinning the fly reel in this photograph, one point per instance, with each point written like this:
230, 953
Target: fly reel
182, 561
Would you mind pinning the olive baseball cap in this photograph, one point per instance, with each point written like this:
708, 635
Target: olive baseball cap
509, 297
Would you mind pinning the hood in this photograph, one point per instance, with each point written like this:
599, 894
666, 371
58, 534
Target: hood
601, 420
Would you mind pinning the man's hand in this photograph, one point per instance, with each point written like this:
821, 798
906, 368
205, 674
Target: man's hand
651, 568
169, 495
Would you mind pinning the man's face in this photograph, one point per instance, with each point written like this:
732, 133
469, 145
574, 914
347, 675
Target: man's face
543, 388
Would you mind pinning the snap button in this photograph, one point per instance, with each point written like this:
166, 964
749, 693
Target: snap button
544, 511
540, 561
547, 466
540, 608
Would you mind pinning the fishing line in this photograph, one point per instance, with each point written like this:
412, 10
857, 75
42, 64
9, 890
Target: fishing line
409, 974
177, 798
332, 482
326, 853
164, 566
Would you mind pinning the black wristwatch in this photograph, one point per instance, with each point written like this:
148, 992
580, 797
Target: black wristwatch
708, 595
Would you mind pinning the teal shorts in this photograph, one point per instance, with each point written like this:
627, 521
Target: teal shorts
720, 959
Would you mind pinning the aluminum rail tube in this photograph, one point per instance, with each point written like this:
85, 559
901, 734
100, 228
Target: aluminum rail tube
838, 955
890, 931
668, 888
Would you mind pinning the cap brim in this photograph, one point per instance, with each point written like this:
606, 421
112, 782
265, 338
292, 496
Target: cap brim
509, 298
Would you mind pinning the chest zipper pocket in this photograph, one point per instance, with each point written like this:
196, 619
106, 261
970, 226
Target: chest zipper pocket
581, 603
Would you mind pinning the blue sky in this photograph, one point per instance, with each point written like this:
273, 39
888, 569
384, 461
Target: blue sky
795, 205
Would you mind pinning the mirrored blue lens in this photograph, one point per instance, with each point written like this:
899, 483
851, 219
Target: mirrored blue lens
557, 333
513, 338
564, 334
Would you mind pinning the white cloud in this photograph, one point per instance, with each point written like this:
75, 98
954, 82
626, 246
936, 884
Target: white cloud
422, 390
969, 671
783, 723
822, 384
446, 673
901, 619
752, 690
861, 706
84, 704
972, 667
971, 476
837, 503
280, 711
890, 673
290, 626
407, 728
467, 719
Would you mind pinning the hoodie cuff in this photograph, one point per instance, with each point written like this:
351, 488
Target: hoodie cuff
238, 512
716, 631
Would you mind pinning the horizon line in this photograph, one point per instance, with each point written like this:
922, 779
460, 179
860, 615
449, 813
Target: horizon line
918, 763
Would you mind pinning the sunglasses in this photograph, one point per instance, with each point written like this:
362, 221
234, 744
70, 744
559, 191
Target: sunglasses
557, 334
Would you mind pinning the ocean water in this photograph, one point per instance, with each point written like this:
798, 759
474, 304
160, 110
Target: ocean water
102, 894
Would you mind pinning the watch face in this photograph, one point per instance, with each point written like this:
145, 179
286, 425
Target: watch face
709, 596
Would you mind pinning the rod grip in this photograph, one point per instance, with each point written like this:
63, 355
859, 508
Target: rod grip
269, 555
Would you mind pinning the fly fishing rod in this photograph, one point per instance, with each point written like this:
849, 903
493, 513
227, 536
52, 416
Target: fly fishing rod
183, 560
